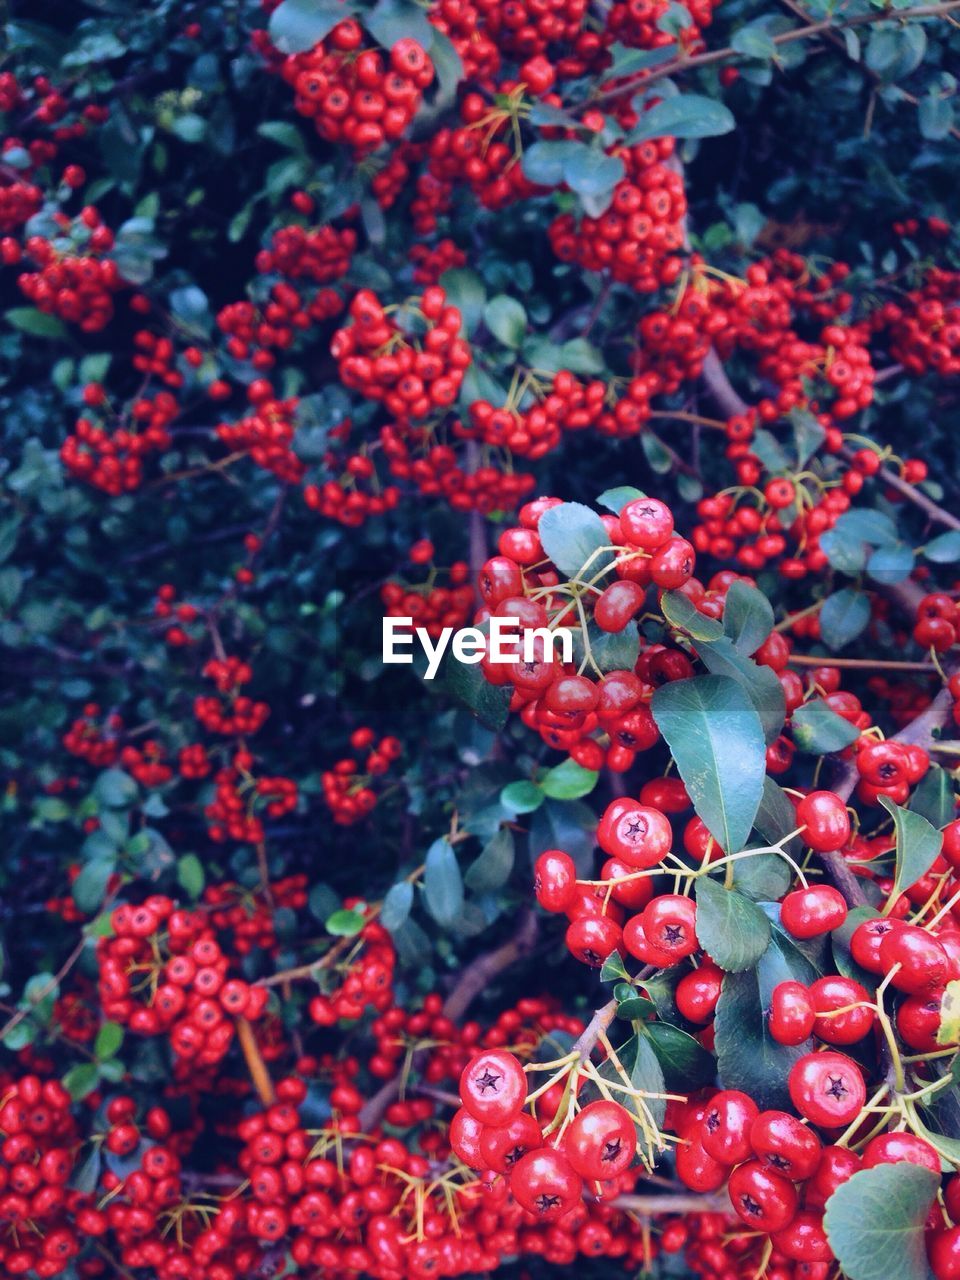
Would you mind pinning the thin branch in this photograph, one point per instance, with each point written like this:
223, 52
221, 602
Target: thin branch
890, 478
475, 977
652, 1205
595, 1029
644, 79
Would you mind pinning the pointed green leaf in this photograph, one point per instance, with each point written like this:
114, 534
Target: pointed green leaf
875, 1222
917, 847
717, 740
729, 926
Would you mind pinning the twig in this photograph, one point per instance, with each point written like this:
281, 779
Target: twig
594, 1029
255, 1063
720, 386
477, 975
651, 1205
890, 478
644, 79
857, 664
45, 990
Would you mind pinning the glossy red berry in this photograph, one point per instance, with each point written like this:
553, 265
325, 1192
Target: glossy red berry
493, 1087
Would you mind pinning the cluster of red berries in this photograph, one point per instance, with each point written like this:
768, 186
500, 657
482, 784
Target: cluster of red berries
888, 768
365, 982
19, 201
925, 326
414, 454
563, 705
239, 798
37, 1159
938, 621
412, 380
147, 763
430, 262
175, 616
343, 499
239, 714
431, 606
493, 1131
249, 914
113, 461
481, 152
346, 787
162, 972
253, 333
75, 288
638, 238
266, 433
97, 745
321, 254
353, 94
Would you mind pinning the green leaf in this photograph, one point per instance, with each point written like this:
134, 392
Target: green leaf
577, 355
917, 848
115, 789
747, 617
81, 1080
716, 738
818, 729
891, 564
297, 25
617, 498
571, 533
630, 1006
808, 434
442, 882
656, 453
108, 1041
490, 703
875, 1222
685, 1063
568, 825
640, 1061
776, 817
568, 781
393, 20
935, 117
543, 162
284, 133
506, 319
843, 617
680, 611
614, 970
344, 923
687, 115
729, 926
934, 797
590, 171
764, 878
492, 867
396, 905
37, 323
760, 684
190, 875
847, 545
90, 887
945, 548
748, 1057
467, 292
522, 796
753, 41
